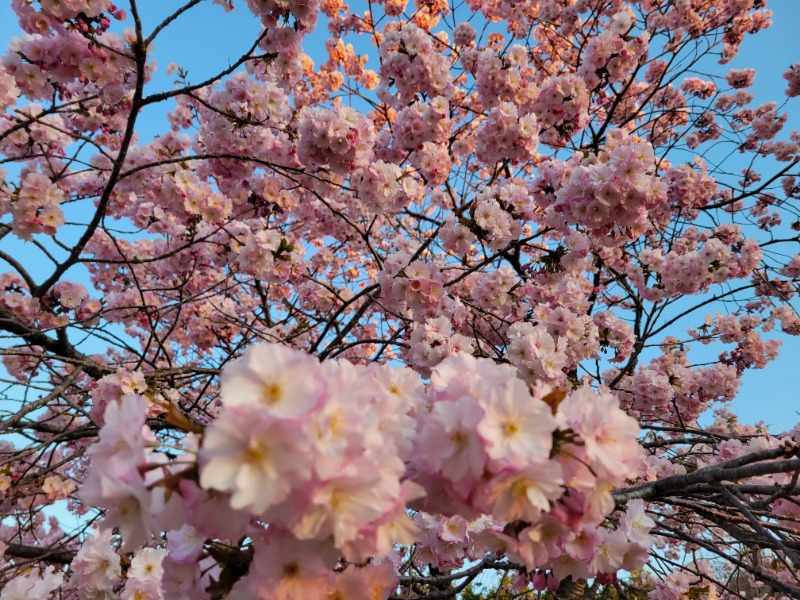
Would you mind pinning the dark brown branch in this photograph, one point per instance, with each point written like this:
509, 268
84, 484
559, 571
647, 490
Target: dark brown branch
717, 473
63, 557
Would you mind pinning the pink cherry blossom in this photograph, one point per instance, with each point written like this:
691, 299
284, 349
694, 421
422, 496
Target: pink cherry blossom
321, 321
255, 456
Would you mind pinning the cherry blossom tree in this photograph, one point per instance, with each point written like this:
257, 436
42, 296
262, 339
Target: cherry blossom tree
460, 295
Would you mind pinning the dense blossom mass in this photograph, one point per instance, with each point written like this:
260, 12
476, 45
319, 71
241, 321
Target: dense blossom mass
409, 299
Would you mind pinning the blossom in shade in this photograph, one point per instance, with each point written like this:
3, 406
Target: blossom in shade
185, 544
609, 435
285, 568
97, 568
524, 494
32, 585
450, 442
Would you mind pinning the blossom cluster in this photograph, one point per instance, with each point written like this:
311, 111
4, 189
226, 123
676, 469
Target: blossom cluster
32, 584
697, 260
8, 89
268, 255
518, 215
385, 186
271, 11
792, 76
616, 191
260, 109
116, 482
69, 9
411, 61
339, 139
487, 446
432, 341
113, 389
34, 207
689, 188
561, 340
609, 58
507, 135
332, 455
561, 107
42, 65
422, 122
316, 448
504, 78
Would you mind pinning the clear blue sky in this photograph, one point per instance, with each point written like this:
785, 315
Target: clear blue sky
772, 394
209, 39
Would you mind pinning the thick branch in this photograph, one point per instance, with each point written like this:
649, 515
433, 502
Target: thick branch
680, 483
34, 552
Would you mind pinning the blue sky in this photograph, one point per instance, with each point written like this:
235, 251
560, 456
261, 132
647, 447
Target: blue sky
208, 39
771, 394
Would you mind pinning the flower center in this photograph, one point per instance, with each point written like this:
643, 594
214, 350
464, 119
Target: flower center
459, 438
255, 452
273, 393
291, 570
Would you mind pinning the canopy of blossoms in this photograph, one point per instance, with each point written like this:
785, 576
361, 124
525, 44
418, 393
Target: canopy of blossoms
459, 295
